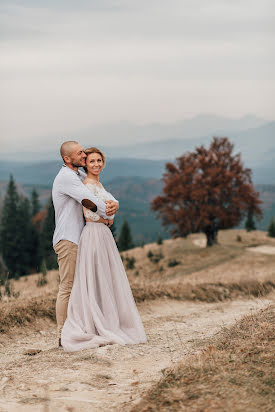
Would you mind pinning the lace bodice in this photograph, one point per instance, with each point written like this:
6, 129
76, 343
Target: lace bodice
100, 192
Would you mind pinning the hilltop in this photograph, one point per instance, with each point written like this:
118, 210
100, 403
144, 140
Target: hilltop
185, 294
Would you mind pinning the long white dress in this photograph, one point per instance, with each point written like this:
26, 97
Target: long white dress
101, 308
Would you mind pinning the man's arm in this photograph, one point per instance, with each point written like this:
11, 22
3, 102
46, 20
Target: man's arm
73, 187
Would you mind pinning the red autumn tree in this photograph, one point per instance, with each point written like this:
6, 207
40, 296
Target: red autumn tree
205, 191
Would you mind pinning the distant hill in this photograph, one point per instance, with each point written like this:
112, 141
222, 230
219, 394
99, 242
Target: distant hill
257, 145
176, 137
43, 173
135, 195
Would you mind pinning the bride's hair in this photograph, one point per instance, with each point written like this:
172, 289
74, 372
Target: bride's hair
94, 150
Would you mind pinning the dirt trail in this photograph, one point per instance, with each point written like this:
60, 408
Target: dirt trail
109, 378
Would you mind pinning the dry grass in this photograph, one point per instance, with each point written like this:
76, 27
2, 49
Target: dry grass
22, 312
18, 313
227, 262
204, 292
235, 373
225, 271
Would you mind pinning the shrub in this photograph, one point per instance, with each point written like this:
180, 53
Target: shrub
173, 262
271, 228
156, 258
130, 262
150, 254
159, 240
42, 280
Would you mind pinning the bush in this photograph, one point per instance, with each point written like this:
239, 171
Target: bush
271, 228
130, 262
150, 254
159, 240
173, 262
42, 280
156, 258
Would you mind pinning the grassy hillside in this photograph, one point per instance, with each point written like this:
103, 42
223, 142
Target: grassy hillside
183, 269
234, 372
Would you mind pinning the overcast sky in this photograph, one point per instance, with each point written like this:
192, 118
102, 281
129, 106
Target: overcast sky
66, 65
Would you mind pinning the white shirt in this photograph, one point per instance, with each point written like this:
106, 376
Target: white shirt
68, 192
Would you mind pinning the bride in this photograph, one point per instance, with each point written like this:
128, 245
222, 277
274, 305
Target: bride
101, 308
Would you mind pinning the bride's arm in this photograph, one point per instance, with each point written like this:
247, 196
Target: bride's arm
94, 217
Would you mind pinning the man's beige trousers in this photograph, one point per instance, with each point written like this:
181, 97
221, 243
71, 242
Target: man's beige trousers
66, 252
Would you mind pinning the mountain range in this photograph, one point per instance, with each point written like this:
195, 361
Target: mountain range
253, 136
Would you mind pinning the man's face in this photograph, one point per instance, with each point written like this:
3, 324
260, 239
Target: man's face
77, 156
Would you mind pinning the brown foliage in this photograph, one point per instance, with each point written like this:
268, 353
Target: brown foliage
206, 190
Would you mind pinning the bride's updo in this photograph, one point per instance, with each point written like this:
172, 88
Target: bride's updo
94, 150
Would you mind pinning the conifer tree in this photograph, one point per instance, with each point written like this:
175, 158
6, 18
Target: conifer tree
24, 232
19, 238
125, 240
35, 202
250, 223
271, 228
9, 235
113, 230
46, 248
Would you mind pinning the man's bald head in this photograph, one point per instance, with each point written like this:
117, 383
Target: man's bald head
67, 148
73, 154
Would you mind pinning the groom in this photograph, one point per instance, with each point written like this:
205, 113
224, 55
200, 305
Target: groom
69, 195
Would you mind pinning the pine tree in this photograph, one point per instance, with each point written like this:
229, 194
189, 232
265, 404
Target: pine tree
35, 202
249, 223
113, 230
46, 248
9, 235
24, 231
19, 238
271, 228
125, 240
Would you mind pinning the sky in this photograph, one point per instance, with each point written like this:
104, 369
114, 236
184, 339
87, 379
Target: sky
68, 65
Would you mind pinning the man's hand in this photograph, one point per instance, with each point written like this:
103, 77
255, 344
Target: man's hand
111, 207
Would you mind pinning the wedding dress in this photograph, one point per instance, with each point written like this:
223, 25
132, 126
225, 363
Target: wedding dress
101, 308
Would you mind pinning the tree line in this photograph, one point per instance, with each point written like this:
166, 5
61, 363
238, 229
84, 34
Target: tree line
204, 191
26, 234
25, 238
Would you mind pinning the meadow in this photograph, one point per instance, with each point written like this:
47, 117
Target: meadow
204, 310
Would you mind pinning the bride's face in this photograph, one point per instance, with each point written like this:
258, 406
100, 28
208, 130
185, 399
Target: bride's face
94, 163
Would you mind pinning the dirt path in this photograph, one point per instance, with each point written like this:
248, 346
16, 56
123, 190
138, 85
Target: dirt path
110, 378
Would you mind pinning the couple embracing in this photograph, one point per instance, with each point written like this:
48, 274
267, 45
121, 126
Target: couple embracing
95, 305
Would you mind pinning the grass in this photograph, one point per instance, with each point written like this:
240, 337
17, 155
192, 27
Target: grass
225, 271
205, 292
234, 373
18, 313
